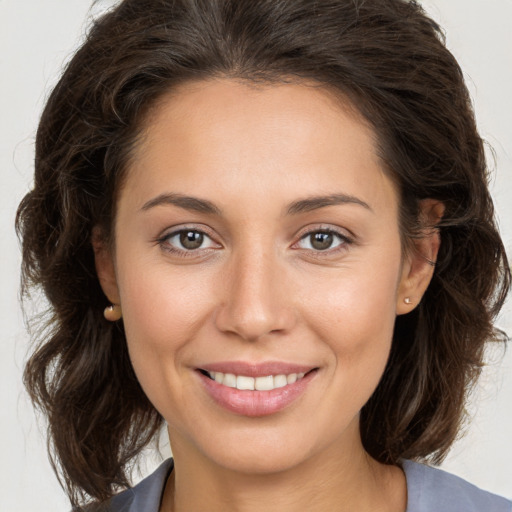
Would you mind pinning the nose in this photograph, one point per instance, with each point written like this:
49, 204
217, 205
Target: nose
255, 300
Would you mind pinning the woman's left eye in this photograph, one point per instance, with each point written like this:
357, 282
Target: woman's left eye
186, 240
322, 240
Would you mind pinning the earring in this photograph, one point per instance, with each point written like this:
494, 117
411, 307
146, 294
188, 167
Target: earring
113, 313
408, 300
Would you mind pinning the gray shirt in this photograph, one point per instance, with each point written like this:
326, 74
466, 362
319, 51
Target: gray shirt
429, 490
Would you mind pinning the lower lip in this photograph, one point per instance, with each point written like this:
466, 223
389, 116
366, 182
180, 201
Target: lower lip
256, 403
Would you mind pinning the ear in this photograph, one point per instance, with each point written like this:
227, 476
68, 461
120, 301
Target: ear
419, 264
104, 262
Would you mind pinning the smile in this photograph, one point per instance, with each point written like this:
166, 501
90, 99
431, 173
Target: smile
244, 382
256, 390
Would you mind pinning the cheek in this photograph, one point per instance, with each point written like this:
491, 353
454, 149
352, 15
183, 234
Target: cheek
354, 314
361, 298
159, 301
162, 312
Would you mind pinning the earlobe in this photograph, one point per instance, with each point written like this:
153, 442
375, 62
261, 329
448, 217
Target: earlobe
419, 265
105, 268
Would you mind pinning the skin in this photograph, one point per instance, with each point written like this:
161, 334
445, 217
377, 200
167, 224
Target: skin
258, 290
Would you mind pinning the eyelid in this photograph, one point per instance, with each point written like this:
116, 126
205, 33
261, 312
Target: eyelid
327, 228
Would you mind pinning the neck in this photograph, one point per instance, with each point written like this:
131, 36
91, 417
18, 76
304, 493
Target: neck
339, 479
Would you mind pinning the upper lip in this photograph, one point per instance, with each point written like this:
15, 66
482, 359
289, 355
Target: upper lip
256, 369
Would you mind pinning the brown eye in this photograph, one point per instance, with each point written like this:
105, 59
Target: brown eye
186, 240
321, 240
191, 240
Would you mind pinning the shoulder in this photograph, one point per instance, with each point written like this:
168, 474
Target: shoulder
144, 497
430, 489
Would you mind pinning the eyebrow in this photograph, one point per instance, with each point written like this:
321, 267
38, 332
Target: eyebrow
205, 206
316, 202
186, 202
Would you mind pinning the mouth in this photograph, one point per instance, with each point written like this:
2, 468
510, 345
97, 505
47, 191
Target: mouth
248, 383
256, 390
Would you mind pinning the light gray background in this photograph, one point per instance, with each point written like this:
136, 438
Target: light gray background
36, 37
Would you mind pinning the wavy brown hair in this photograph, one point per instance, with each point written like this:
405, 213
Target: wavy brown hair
389, 60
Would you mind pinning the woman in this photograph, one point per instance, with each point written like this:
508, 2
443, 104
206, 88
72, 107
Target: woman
267, 224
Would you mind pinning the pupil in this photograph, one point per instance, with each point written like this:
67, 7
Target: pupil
321, 241
191, 239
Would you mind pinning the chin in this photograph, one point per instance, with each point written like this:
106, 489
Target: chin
260, 461
270, 448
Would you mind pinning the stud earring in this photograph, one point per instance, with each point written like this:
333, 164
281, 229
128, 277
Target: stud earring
113, 313
408, 300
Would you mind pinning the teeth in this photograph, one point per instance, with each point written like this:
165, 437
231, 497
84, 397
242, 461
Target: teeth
264, 383
229, 380
280, 381
290, 379
243, 382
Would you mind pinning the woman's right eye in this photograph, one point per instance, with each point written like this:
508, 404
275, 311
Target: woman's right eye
186, 240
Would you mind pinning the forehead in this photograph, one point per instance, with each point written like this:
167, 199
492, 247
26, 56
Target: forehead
293, 139
302, 108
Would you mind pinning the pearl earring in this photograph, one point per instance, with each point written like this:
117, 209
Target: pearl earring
408, 300
113, 312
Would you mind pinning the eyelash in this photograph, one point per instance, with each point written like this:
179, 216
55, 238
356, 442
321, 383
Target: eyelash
164, 243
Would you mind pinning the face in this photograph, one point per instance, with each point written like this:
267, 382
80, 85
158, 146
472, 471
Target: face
259, 268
